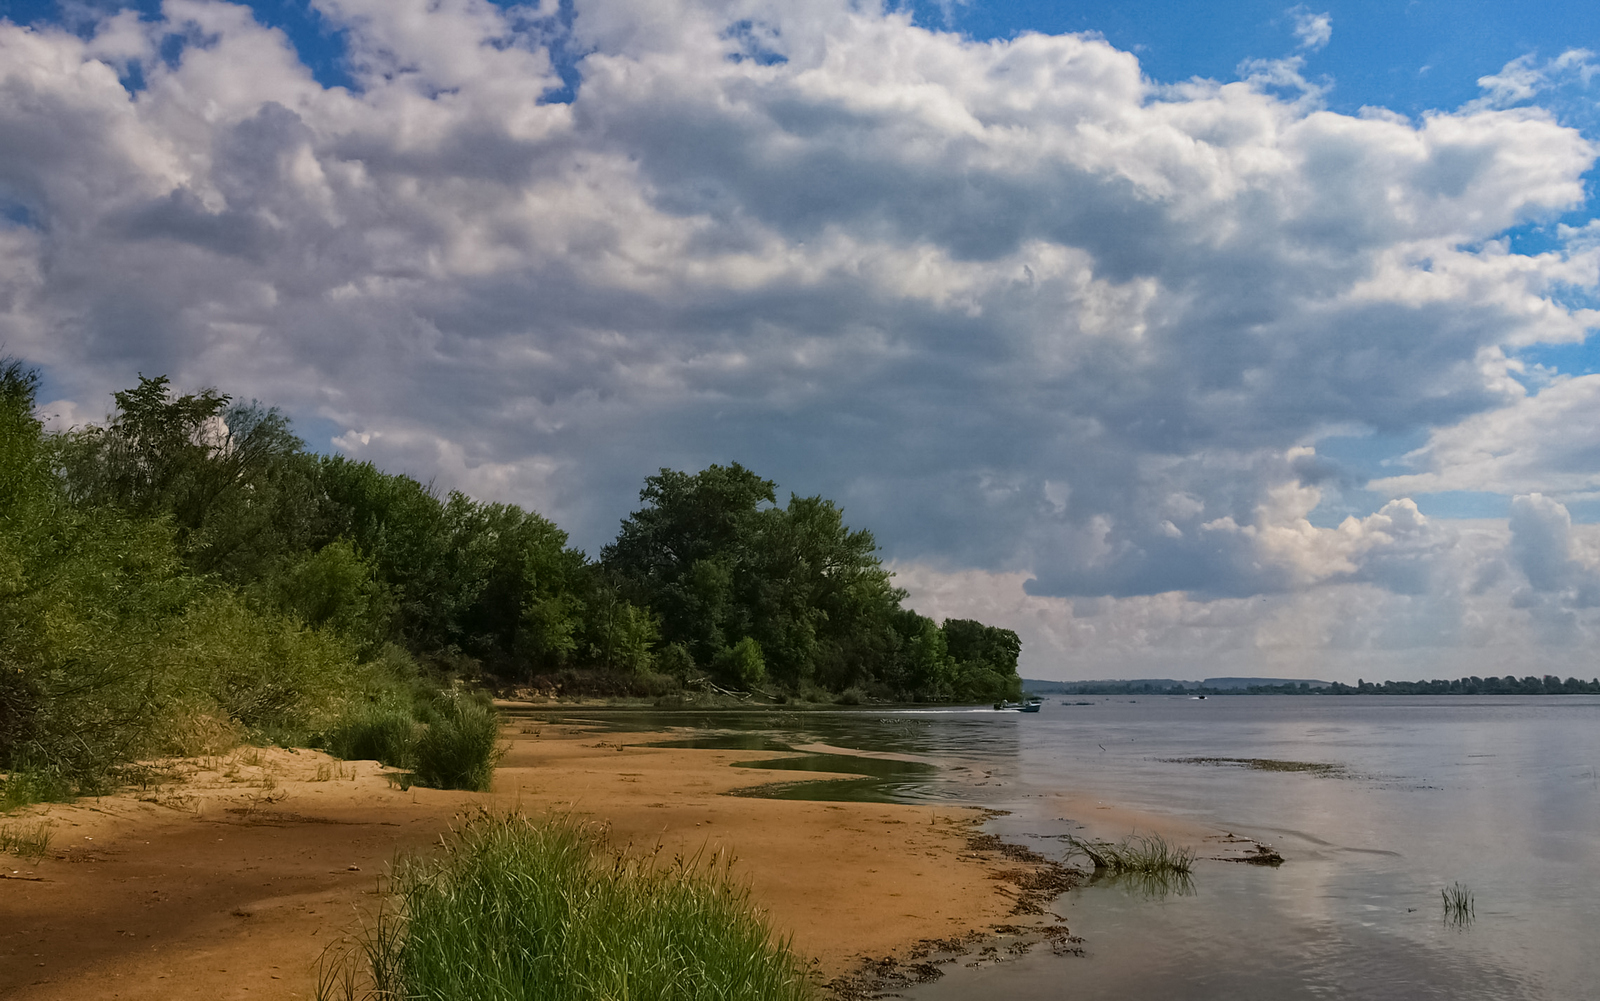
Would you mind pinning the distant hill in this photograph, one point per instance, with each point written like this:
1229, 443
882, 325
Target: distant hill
1122, 686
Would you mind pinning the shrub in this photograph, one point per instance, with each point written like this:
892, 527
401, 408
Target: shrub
375, 732
460, 745
741, 665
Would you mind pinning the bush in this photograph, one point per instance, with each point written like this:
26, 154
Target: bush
374, 732
676, 661
741, 665
460, 745
523, 910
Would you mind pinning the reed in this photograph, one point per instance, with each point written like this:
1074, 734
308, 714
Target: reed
1139, 853
516, 909
1459, 908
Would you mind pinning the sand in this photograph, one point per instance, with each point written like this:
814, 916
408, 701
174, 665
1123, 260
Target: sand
231, 880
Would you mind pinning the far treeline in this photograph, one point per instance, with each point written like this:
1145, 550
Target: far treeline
188, 575
1509, 685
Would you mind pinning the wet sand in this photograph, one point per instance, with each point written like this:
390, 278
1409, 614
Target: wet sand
230, 881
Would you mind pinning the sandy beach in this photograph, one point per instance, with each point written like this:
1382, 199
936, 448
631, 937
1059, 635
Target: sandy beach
230, 878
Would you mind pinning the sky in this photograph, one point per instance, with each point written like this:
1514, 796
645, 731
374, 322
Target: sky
1185, 339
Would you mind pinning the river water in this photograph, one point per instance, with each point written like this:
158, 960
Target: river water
1499, 794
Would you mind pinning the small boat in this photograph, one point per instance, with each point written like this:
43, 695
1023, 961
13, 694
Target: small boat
1030, 706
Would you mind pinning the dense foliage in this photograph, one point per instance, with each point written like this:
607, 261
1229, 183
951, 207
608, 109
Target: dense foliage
790, 596
187, 574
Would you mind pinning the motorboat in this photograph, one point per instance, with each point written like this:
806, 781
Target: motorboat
1031, 705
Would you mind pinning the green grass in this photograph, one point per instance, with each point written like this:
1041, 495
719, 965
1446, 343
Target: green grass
382, 733
26, 786
449, 742
1150, 854
25, 840
461, 744
517, 909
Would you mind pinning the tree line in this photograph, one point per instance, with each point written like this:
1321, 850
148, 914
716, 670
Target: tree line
189, 559
1509, 685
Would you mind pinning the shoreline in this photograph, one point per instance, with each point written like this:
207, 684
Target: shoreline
230, 878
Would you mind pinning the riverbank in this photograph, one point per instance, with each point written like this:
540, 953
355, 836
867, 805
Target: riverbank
230, 876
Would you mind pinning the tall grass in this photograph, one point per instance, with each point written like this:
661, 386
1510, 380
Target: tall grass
1140, 853
460, 745
1459, 905
451, 741
26, 840
517, 909
386, 733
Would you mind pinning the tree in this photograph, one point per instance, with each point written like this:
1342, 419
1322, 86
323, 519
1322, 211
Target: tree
687, 550
225, 474
986, 660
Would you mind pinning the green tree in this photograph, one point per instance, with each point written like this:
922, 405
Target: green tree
224, 474
986, 660
685, 553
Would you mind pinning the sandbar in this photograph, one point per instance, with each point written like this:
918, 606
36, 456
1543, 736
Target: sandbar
230, 877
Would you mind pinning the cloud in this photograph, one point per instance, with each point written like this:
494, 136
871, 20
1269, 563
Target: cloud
1548, 441
1019, 307
1525, 78
1470, 623
1543, 548
1313, 30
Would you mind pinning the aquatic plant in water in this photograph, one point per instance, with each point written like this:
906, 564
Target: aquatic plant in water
1140, 853
1459, 906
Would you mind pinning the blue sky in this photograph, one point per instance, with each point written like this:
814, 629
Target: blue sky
1252, 333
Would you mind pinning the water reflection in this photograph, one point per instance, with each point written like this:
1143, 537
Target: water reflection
1146, 885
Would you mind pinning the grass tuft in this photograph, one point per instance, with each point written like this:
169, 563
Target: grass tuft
453, 745
1459, 908
459, 748
26, 786
1150, 854
25, 840
536, 910
386, 734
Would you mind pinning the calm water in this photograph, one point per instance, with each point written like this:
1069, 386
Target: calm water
1499, 793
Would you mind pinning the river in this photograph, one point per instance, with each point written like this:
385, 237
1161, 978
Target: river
1411, 795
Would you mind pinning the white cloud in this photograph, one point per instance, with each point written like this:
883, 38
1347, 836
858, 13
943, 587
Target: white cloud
1470, 623
1525, 78
1313, 30
1015, 305
1548, 441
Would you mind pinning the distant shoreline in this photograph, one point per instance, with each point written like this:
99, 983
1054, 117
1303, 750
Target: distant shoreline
1509, 685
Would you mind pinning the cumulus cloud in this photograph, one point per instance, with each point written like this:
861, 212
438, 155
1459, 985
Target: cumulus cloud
1547, 441
1019, 307
1544, 549
1472, 622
